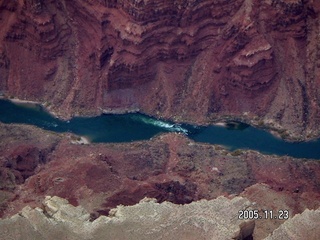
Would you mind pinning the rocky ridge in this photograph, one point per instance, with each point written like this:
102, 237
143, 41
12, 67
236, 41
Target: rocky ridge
214, 219
169, 167
301, 226
191, 61
195, 61
145, 220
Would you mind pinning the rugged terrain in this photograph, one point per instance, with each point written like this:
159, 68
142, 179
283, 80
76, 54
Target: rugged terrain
214, 219
170, 167
187, 60
195, 61
147, 220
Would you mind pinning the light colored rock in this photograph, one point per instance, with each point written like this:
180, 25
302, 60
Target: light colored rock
214, 219
302, 226
61, 210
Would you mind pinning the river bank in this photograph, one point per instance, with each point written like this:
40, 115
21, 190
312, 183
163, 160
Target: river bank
266, 124
234, 135
258, 122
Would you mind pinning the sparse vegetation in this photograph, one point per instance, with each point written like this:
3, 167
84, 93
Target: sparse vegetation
237, 152
218, 148
75, 138
284, 134
261, 123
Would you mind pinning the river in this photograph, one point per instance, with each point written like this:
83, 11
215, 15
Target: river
134, 126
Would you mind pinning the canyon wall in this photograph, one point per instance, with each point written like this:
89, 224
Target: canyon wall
185, 60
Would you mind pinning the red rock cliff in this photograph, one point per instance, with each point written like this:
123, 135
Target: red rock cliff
188, 60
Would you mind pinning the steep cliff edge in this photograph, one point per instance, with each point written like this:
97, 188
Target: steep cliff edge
186, 60
215, 219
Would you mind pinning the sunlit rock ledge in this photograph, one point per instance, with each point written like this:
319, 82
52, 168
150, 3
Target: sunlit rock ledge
214, 219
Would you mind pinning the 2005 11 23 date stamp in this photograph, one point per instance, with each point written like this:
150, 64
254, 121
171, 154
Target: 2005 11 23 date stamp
263, 214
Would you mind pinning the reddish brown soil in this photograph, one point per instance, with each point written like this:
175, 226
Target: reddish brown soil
169, 167
192, 61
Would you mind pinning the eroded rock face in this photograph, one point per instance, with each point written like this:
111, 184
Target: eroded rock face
185, 60
302, 226
23, 150
170, 167
215, 219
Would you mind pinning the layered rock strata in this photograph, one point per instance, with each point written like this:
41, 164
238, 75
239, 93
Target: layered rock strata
192, 61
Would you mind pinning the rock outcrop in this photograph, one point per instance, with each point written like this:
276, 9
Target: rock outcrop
170, 167
215, 219
188, 60
193, 61
302, 226
23, 151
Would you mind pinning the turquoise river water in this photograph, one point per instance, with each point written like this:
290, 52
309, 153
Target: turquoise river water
132, 127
